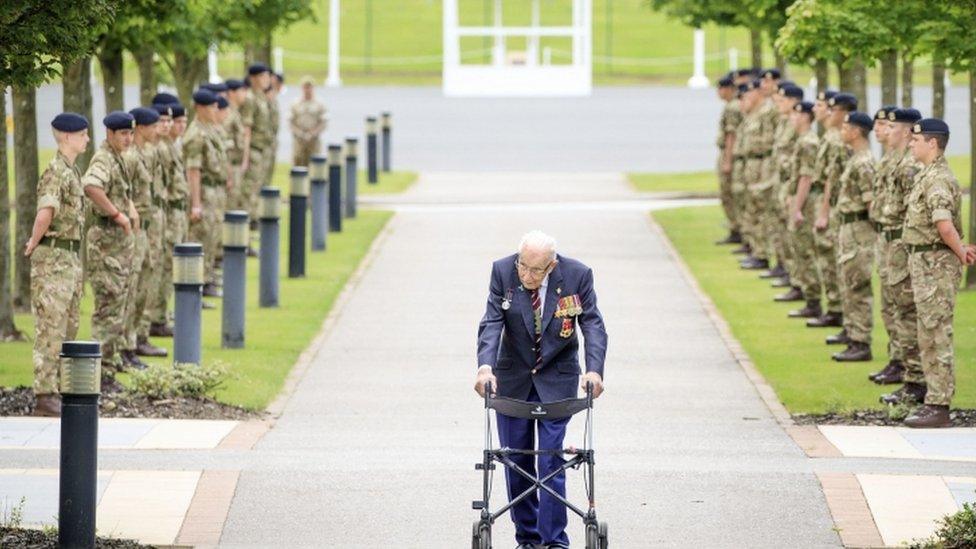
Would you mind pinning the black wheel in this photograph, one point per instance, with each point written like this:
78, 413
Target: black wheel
604, 535
476, 535
592, 537
485, 535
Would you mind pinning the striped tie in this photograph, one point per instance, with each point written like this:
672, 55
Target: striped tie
537, 314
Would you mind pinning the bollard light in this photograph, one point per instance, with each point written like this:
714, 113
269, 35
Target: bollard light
188, 278
318, 167
371, 175
78, 473
298, 203
387, 141
319, 198
270, 206
299, 181
236, 235
352, 161
335, 188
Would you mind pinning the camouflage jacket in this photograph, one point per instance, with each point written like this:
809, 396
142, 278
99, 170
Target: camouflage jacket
234, 126
935, 196
145, 176
274, 117
831, 158
855, 190
60, 189
255, 114
889, 202
204, 150
804, 158
757, 134
174, 176
784, 143
109, 171
308, 116
727, 123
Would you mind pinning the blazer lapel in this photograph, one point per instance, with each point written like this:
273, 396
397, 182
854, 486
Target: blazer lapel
552, 296
525, 306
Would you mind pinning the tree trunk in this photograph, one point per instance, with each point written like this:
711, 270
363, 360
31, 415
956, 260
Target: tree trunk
859, 86
755, 42
971, 270
8, 331
907, 77
264, 50
147, 74
845, 76
780, 58
822, 73
77, 94
25, 174
889, 78
188, 71
113, 79
938, 86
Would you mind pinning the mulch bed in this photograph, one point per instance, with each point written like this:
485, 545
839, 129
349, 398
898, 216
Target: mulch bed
38, 539
117, 402
960, 418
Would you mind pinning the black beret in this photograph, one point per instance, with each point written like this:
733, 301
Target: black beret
755, 84
257, 68
725, 82
804, 106
931, 126
144, 116
222, 102
216, 87
280, 76
164, 98
826, 95
884, 111
119, 120
741, 89
164, 110
795, 92
743, 72
204, 97
69, 122
844, 100
861, 119
233, 84
772, 73
783, 83
179, 111
909, 115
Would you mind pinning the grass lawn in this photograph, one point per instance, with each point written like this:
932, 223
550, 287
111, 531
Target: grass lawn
274, 337
694, 183
792, 357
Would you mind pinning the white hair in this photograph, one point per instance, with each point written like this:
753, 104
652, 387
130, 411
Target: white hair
540, 241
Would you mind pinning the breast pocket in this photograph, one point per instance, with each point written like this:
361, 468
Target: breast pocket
568, 367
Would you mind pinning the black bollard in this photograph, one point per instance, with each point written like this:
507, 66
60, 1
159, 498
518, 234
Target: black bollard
188, 289
335, 188
296, 224
371, 174
235, 238
352, 146
270, 212
387, 142
320, 202
80, 389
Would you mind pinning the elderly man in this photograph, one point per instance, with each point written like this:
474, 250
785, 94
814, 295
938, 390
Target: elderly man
527, 349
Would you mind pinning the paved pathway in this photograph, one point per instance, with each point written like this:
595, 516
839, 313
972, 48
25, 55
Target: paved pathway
383, 431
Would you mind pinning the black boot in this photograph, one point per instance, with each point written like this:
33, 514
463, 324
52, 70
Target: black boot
812, 310
776, 272
794, 294
856, 351
929, 416
841, 338
783, 282
909, 393
755, 265
742, 250
893, 372
733, 238
828, 320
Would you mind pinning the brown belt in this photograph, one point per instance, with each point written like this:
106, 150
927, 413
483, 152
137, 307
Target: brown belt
919, 248
68, 244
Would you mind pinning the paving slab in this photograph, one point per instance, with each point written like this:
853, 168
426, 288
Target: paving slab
118, 433
954, 444
905, 507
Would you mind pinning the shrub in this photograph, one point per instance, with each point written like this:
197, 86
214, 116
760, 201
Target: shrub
179, 380
956, 531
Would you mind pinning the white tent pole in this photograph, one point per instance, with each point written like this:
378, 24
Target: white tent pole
333, 80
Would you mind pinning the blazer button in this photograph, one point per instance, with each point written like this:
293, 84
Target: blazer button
534, 370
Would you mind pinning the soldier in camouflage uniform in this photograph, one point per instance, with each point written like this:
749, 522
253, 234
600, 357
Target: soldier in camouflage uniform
727, 124
738, 186
110, 243
856, 238
803, 201
763, 192
256, 117
274, 114
931, 231
54, 249
234, 126
784, 144
757, 142
831, 159
308, 119
150, 201
207, 174
896, 173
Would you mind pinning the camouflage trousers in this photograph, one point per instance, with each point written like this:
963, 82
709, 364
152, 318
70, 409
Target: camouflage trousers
803, 267
738, 196
757, 217
207, 230
135, 304
174, 233
152, 274
856, 243
254, 178
109, 267
935, 280
269, 162
238, 196
776, 230
303, 151
825, 249
56, 282
898, 307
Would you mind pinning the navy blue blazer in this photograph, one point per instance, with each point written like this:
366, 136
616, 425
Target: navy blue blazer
506, 338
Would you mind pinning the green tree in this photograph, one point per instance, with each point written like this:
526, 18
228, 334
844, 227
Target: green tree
138, 27
37, 38
195, 25
258, 20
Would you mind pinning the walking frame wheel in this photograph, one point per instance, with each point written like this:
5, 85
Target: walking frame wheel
480, 535
597, 535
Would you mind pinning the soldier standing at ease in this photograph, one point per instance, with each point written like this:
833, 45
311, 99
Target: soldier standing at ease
802, 200
237, 145
256, 118
931, 231
856, 238
757, 141
727, 124
274, 114
205, 159
110, 243
783, 145
307, 121
54, 249
896, 175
